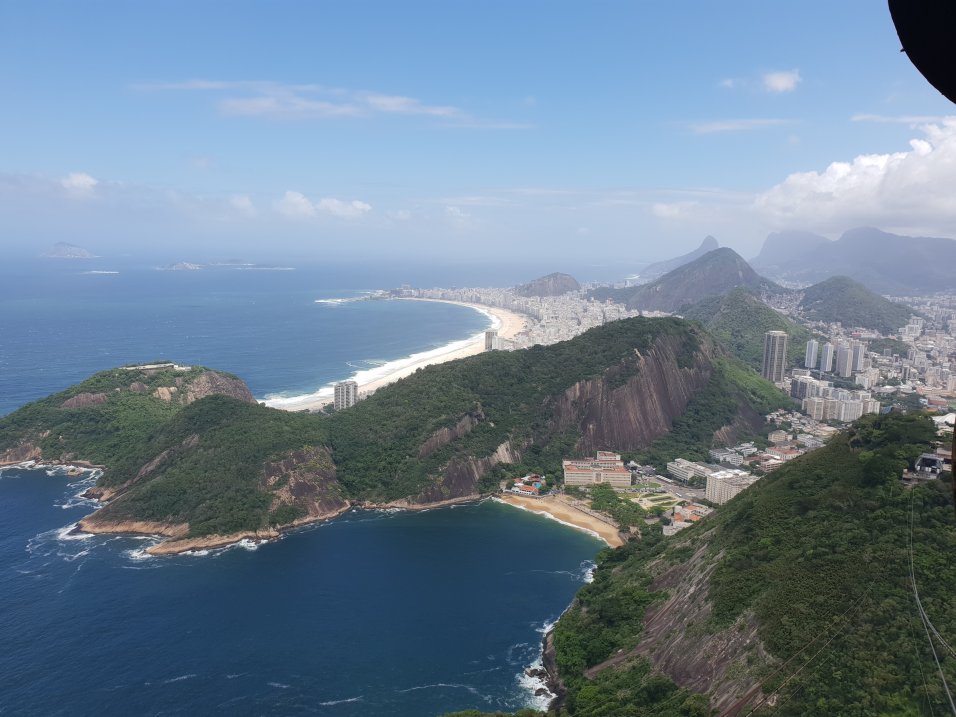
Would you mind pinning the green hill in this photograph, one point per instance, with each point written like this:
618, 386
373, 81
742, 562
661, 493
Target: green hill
191, 463
797, 595
853, 305
713, 274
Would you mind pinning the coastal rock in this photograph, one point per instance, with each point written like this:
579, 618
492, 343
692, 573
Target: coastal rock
84, 400
305, 480
138, 387
21, 452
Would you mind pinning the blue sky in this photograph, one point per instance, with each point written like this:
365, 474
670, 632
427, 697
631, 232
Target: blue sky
620, 130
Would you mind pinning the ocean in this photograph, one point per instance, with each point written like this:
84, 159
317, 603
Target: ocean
374, 613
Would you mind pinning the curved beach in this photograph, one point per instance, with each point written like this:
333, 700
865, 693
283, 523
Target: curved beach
508, 324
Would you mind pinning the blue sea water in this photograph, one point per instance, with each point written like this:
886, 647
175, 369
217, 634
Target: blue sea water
374, 613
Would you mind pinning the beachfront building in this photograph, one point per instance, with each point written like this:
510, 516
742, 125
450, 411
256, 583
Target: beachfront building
685, 470
724, 485
346, 394
605, 467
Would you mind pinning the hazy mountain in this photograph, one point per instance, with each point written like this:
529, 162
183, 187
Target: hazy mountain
885, 263
712, 274
782, 250
852, 304
662, 267
62, 250
551, 285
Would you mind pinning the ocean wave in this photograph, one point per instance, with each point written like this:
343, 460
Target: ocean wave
449, 685
331, 703
99, 272
533, 685
179, 679
279, 685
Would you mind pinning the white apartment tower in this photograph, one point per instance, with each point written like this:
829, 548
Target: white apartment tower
826, 358
346, 394
810, 360
774, 355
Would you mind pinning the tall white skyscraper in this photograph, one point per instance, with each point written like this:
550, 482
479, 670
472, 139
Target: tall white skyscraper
810, 360
774, 355
859, 353
844, 361
826, 358
346, 394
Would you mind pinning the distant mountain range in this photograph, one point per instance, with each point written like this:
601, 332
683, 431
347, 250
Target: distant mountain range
662, 267
554, 284
886, 263
713, 274
62, 250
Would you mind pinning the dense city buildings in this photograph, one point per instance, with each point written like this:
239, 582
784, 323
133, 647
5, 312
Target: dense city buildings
774, 356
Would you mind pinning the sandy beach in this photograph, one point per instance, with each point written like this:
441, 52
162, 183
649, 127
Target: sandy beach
508, 324
559, 508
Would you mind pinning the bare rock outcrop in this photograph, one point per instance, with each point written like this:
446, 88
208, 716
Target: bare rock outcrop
305, 479
443, 436
84, 400
24, 451
634, 413
211, 382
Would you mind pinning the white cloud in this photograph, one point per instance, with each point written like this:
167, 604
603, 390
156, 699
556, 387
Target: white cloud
295, 205
396, 104
285, 106
456, 212
906, 191
277, 100
243, 204
782, 81
728, 83
402, 215
346, 210
667, 211
900, 119
79, 184
737, 125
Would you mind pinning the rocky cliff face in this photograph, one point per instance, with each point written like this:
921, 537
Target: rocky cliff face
627, 408
306, 480
632, 415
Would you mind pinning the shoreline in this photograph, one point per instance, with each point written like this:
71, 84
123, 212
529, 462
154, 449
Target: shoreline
555, 509
507, 323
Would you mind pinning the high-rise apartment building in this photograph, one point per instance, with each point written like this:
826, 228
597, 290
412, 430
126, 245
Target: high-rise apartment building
859, 353
844, 361
810, 359
346, 394
826, 358
774, 355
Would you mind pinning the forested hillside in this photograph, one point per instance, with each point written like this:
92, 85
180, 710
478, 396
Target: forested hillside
796, 596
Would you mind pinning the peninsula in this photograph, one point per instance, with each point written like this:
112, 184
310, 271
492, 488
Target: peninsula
191, 456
